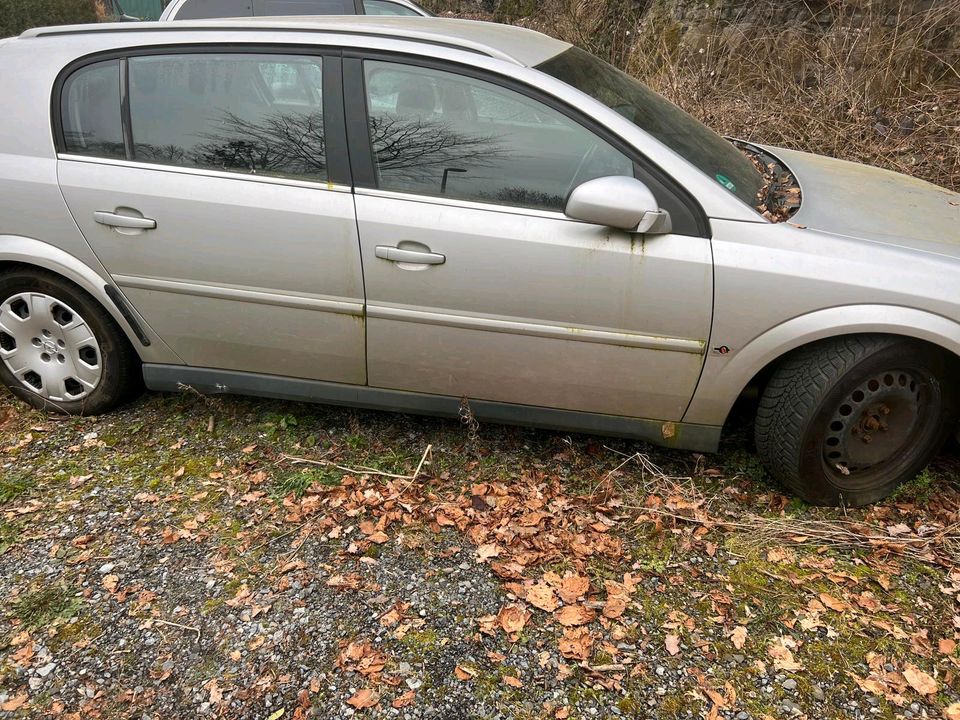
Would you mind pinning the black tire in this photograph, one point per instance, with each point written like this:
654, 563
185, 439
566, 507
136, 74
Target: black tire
845, 421
121, 374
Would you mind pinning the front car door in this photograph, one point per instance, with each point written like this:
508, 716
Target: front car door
477, 284
221, 206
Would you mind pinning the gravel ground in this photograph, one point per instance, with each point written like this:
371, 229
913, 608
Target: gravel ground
236, 558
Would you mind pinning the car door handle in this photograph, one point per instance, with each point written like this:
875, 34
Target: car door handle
413, 257
124, 221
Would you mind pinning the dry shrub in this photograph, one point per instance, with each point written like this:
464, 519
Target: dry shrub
875, 82
860, 89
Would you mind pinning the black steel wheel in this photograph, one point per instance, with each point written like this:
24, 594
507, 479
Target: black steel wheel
846, 421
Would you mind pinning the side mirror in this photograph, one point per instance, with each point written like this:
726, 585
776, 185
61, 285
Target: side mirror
619, 202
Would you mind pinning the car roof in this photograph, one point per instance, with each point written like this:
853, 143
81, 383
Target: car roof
506, 42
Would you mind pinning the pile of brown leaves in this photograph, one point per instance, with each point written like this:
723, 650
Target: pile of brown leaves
779, 197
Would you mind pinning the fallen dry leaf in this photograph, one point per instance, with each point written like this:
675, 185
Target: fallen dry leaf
738, 637
615, 607
404, 700
779, 555
14, 703
363, 699
464, 673
952, 712
572, 615
576, 644
672, 644
513, 618
782, 656
541, 596
487, 551
512, 681
919, 680
833, 603
573, 587
216, 693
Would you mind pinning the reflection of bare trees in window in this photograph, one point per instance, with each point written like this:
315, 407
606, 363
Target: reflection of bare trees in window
419, 150
166, 154
287, 144
281, 143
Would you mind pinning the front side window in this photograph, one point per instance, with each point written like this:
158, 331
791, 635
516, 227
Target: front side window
385, 7
90, 111
204, 9
680, 132
441, 134
253, 114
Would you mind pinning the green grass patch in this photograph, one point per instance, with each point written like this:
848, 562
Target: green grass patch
299, 481
42, 606
919, 489
13, 485
9, 534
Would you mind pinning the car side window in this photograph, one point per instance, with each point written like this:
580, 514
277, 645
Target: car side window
385, 7
274, 8
244, 113
438, 133
205, 9
90, 111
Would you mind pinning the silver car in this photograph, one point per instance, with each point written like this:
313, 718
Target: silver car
428, 215
207, 9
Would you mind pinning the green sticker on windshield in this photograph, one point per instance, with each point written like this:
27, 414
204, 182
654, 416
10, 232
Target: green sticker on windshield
726, 182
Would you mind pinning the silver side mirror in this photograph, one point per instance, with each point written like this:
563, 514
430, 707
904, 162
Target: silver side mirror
619, 202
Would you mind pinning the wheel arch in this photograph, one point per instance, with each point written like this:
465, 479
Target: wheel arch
726, 378
17, 251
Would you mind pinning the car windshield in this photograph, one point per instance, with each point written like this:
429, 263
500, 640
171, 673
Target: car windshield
651, 112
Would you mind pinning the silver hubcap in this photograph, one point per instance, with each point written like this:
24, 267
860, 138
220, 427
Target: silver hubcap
48, 347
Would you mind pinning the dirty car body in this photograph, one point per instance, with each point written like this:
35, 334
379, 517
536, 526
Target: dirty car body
469, 223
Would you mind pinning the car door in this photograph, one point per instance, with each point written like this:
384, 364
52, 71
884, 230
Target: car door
221, 206
478, 286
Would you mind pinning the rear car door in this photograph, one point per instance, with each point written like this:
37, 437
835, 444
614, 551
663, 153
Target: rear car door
479, 286
213, 185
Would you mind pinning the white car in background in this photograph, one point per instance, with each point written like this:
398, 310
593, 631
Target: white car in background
208, 9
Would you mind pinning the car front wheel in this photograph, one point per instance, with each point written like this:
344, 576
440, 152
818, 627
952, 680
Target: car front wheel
846, 421
59, 349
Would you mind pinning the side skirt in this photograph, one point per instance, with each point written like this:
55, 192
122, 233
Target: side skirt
173, 378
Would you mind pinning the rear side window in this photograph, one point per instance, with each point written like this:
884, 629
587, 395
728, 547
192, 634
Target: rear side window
268, 8
90, 111
245, 113
203, 9
385, 7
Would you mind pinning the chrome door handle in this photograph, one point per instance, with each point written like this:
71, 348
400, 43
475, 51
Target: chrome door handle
124, 221
413, 257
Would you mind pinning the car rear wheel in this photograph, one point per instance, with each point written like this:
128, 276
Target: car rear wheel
846, 421
59, 349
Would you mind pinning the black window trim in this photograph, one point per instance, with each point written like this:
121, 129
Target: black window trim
361, 150
334, 122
